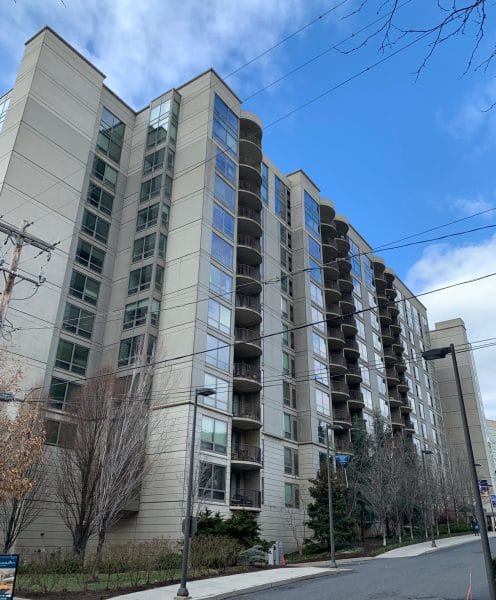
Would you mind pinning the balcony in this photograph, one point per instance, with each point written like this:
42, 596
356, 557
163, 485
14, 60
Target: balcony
391, 293
356, 400
249, 195
248, 279
405, 406
246, 412
389, 276
332, 291
382, 300
247, 343
342, 245
394, 399
246, 377
380, 284
400, 366
378, 264
394, 311
384, 316
248, 311
335, 338
403, 386
397, 422
395, 328
250, 144
341, 416
409, 428
337, 363
351, 349
345, 283
392, 376
344, 265
389, 357
245, 500
246, 457
328, 228
342, 445
398, 345
333, 313
249, 221
249, 250
347, 303
387, 335
353, 375
349, 325
250, 169
329, 251
339, 390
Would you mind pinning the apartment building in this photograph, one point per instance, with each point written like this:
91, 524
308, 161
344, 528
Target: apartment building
183, 248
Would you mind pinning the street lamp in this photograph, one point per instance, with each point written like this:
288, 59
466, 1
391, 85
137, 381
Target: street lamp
182, 592
332, 545
434, 354
429, 452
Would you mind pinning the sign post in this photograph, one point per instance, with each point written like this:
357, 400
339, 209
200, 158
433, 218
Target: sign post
8, 573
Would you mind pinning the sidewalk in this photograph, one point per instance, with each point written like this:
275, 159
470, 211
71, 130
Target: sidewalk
425, 547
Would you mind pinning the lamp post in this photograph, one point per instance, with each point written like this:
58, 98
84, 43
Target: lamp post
429, 452
182, 592
332, 545
434, 354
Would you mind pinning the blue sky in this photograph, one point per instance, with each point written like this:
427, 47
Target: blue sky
397, 155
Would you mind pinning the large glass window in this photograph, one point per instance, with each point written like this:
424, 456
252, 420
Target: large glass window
135, 313
95, 226
100, 199
224, 193
220, 283
140, 279
218, 353
316, 295
111, 135
319, 345
213, 435
290, 425
150, 188
225, 165
321, 372
368, 273
318, 320
265, 184
147, 217
90, 256
159, 277
154, 160
314, 249
312, 215
291, 495
223, 221
78, 321
290, 461
162, 245
3, 111
354, 254
84, 287
101, 170
281, 199
144, 247
129, 350
71, 357
315, 270
159, 123
60, 392
221, 387
322, 402
225, 127
212, 481
222, 251
219, 316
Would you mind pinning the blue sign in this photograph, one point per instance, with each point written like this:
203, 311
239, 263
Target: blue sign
343, 459
493, 500
8, 572
483, 486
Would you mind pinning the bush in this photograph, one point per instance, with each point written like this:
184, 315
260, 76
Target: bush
242, 527
214, 552
254, 555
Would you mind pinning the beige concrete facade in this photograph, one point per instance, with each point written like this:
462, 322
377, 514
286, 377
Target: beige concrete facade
311, 328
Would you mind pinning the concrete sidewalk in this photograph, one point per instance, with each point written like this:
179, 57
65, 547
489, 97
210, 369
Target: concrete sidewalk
425, 547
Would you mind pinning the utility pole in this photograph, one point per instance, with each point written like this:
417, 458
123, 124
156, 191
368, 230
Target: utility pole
19, 238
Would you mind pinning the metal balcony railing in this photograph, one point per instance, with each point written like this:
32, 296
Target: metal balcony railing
246, 160
336, 358
331, 285
247, 407
242, 369
249, 213
245, 453
339, 386
356, 396
249, 186
335, 332
245, 498
243, 301
343, 445
244, 334
254, 138
351, 344
248, 271
248, 240
341, 414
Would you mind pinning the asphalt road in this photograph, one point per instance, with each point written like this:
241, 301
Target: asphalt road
441, 575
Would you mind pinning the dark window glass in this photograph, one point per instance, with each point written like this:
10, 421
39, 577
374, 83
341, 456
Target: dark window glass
90, 256
225, 126
140, 279
212, 481
78, 321
154, 160
225, 165
71, 357
100, 199
223, 221
150, 188
159, 123
224, 193
312, 215
101, 170
129, 350
159, 277
111, 135
135, 313
144, 247
222, 251
60, 392
95, 226
147, 217
84, 287
162, 245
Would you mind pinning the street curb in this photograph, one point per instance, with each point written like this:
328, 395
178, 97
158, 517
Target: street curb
272, 585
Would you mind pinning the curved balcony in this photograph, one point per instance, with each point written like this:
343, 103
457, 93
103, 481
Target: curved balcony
400, 366
380, 283
398, 346
392, 376
327, 210
356, 400
397, 420
351, 348
340, 391
337, 363
248, 279
391, 293
353, 375
395, 328
405, 406
249, 195
341, 416
246, 457
250, 145
249, 250
247, 343
246, 378
333, 312
250, 170
347, 304
342, 445
342, 225
389, 276
382, 300
248, 311
344, 265
378, 264
345, 283
349, 325
389, 357
246, 412
403, 386
249, 221
329, 251
384, 316
409, 426
394, 399
241, 499
331, 270
332, 291
394, 311
335, 338
328, 228
342, 245
387, 335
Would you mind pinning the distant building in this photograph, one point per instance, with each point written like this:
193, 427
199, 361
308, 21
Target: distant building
491, 440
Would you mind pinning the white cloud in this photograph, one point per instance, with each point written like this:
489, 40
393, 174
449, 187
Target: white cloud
470, 206
147, 47
442, 265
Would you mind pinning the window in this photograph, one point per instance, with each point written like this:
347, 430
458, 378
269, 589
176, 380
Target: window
219, 317
222, 251
171, 158
154, 160
314, 249
225, 165
167, 185
213, 435
159, 277
319, 345
223, 221
224, 193
129, 350
287, 336
312, 215
72, 357
424, 430
150, 188
220, 282
322, 432
421, 410
59, 433
354, 254
286, 258
144, 247
291, 495
212, 481
290, 461
357, 286
265, 184
316, 295
321, 373
288, 364
100, 199
365, 373
111, 135
368, 273
318, 320
162, 245
84, 287
3, 111
281, 196
218, 353
221, 397
377, 341
381, 385
315, 270
361, 328
285, 235
95, 226
367, 397
147, 217
104, 172
135, 313
225, 126
60, 392
90, 256
140, 279
362, 348
322, 402
290, 424
289, 394
159, 122
78, 321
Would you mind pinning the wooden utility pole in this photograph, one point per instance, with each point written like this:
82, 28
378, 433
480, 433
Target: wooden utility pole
19, 239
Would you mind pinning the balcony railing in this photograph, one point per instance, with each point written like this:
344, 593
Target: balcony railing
248, 271
242, 452
247, 371
246, 160
349, 320
252, 302
341, 414
356, 396
243, 334
249, 186
249, 213
336, 358
247, 408
335, 332
343, 445
339, 386
332, 285
245, 498
351, 344
248, 240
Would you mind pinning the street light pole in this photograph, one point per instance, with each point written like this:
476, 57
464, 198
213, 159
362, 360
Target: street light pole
433, 541
434, 354
332, 545
183, 592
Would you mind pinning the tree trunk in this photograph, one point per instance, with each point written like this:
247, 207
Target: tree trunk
98, 553
80, 541
384, 533
411, 529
